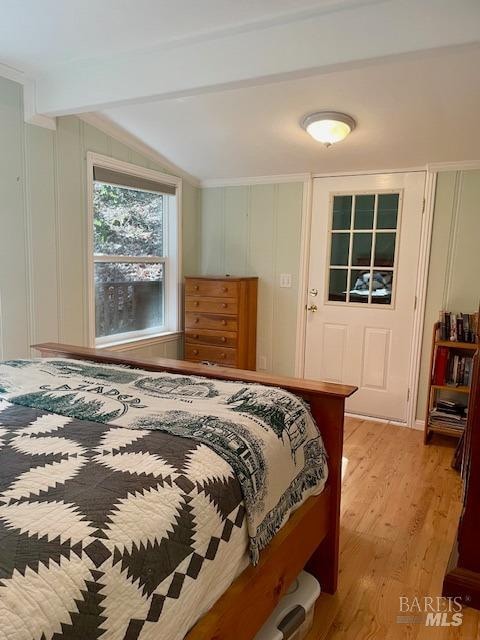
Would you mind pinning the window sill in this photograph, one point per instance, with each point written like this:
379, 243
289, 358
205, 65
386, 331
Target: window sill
143, 341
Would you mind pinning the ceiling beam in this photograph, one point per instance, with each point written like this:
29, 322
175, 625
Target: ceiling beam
348, 35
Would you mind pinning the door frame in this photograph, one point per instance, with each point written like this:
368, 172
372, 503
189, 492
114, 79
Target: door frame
420, 285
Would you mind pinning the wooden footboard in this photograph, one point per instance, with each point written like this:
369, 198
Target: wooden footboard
309, 539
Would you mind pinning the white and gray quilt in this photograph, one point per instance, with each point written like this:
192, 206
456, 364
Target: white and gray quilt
120, 489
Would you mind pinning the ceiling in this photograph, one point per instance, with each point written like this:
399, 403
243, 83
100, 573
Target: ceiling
37, 35
218, 87
410, 111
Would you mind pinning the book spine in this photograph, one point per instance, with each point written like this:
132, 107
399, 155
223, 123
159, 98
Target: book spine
453, 327
460, 334
440, 369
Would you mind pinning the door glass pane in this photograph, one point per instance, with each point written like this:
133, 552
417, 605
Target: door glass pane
340, 248
385, 249
342, 211
387, 210
128, 297
362, 249
359, 285
382, 287
337, 289
364, 208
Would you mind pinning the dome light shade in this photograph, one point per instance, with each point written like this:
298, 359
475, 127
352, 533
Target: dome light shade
328, 127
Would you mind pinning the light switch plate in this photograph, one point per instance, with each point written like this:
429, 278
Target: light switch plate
285, 280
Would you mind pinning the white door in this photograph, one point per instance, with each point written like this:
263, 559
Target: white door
364, 248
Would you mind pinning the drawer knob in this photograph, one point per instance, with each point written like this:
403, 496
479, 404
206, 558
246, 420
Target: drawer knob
195, 352
196, 287
195, 336
224, 339
224, 289
197, 319
195, 303
224, 305
224, 322
222, 355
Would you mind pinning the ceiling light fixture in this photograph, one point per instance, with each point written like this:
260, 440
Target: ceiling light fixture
328, 127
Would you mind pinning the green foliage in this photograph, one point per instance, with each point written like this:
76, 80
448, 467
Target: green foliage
127, 221
67, 405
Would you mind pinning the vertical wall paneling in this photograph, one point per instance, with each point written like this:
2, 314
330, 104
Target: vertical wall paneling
464, 289
41, 212
256, 230
43, 227
287, 248
261, 263
13, 259
235, 238
454, 259
211, 231
190, 228
70, 184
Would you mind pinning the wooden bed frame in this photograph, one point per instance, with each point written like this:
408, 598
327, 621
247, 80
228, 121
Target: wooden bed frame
311, 536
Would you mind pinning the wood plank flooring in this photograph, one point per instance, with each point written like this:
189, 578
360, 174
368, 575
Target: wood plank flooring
400, 509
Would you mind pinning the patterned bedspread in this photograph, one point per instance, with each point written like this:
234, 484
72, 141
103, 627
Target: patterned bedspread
126, 496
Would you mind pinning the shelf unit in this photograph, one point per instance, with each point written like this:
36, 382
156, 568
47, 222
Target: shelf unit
434, 389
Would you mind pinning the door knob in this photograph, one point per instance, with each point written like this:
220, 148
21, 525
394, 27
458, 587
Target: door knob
312, 308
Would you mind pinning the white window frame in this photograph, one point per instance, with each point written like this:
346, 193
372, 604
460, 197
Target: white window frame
172, 258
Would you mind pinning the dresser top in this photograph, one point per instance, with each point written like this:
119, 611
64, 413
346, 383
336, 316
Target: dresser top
225, 277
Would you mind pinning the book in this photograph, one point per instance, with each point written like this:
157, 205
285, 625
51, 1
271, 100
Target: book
440, 369
461, 327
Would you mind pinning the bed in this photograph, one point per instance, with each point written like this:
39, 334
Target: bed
159, 498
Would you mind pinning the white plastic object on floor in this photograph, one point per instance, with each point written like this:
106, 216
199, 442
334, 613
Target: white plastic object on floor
292, 618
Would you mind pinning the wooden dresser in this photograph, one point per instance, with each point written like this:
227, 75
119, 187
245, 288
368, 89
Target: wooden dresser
221, 321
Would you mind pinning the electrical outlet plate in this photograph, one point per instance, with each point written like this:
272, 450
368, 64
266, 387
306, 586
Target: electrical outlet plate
286, 280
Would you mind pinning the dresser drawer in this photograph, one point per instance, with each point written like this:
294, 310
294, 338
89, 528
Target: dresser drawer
210, 321
210, 337
212, 305
212, 354
214, 288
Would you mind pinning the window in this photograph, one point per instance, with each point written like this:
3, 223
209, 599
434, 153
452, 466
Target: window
363, 238
134, 252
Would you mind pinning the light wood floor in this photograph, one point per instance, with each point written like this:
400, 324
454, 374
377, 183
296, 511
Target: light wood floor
400, 508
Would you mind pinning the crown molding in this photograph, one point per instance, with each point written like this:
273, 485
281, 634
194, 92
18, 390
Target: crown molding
367, 172
252, 180
461, 165
109, 127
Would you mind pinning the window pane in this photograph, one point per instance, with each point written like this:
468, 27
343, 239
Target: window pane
387, 211
362, 249
342, 211
128, 297
384, 249
364, 208
340, 248
127, 222
382, 287
337, 289
359, 285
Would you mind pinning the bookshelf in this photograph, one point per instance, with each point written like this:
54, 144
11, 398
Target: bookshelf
443, 354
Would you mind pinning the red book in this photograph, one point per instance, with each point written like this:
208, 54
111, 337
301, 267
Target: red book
440, 366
